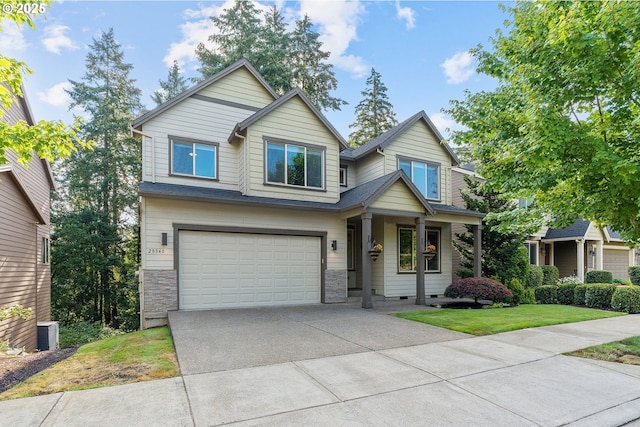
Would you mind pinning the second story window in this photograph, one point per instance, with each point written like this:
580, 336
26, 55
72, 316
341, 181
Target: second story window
297, 165
343, 176
193, 158
426, 176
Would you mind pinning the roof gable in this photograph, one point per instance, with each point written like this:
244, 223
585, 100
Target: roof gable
296, 92
241, 64
8, 170
392, 134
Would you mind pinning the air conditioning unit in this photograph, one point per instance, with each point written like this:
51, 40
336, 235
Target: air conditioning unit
48, 336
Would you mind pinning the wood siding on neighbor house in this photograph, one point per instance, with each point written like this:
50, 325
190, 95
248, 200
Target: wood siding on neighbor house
419, 143
293, 122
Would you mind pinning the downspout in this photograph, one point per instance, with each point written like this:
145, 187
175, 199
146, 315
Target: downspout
246, 162
153, 151
384, 161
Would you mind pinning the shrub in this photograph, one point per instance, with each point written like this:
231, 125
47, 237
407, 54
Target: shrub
528, 296
626, 299
634, 274
83, 333
546, 294
579, 294
517, 289
534, 277
620, 281
598, 295
566, 292
550, 274
598, 276
478, 288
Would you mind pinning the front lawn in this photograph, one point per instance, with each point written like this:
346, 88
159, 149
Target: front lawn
137, 356
494, 321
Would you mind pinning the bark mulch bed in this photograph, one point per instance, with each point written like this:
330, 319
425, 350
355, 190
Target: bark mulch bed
15, 369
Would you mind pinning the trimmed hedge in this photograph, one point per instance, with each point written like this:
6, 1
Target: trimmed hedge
579, 294
634, 274
626, 299
598, 276
534, 277
478, 288
550, 274
528, 296
517, 289
546, 294
598, 295
565, 293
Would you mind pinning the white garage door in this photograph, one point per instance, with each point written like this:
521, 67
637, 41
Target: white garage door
225, 270
617, 262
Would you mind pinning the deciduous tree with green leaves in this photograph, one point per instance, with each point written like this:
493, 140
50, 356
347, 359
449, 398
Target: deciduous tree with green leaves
99, 214
49, 139
562, 126
170, 88
374, 114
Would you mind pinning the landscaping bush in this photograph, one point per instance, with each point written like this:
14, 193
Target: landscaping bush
626, 299
598, 276
517, 289
534, 277
84, 332
550, 274
620, 281
478, 288
578, 294
634, 274
546, 294
598, 295
566, 292
528, 296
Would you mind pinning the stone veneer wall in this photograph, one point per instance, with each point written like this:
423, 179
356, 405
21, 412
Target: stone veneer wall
160, 295
335, 286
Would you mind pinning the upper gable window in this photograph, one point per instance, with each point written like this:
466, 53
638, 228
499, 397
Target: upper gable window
343, 176
295, 164
194, 158
426, 176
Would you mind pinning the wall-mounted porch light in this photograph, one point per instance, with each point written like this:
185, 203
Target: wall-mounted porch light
334, 245
164, 239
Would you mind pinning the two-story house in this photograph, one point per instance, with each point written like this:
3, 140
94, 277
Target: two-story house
25, 275
251, 199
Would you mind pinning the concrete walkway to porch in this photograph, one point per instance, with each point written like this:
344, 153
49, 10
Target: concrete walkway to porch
342, 365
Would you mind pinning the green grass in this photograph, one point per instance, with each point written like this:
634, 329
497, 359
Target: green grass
625, 351
494, 321
126, 358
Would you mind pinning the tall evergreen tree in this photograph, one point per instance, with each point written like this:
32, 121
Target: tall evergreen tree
503, 253
170, 88
310, 70
241, 31
275, 48
100, 186
374, 114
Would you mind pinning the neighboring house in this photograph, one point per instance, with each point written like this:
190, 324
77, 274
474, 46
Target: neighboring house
576, 249
252, 199
25, 276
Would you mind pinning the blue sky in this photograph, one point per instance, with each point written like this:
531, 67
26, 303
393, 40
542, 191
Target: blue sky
418, 47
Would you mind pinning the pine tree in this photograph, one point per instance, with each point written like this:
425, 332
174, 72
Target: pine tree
172, 87
503, 254
309, 68
374, 114
274, 48
241, 31
100, 187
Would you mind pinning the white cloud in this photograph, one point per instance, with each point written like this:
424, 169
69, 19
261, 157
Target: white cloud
445, 124
337, 26
56, 95
458, 68
11, 38
406, 13
55, 39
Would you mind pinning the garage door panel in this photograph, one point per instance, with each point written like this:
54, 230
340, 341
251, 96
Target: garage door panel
220, 270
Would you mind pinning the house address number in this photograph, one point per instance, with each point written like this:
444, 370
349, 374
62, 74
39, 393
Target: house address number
156, 251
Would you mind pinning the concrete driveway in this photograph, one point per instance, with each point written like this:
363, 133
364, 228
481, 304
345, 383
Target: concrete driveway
220, 340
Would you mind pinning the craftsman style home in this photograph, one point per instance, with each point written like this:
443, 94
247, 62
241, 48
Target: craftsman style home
252, 199
25, 277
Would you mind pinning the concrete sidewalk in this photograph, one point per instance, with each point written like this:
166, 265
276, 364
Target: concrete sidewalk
510, 379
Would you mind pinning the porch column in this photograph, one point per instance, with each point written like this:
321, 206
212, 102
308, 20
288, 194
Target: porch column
366, 260
477, 250
580, 259
599, 265
420, 260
